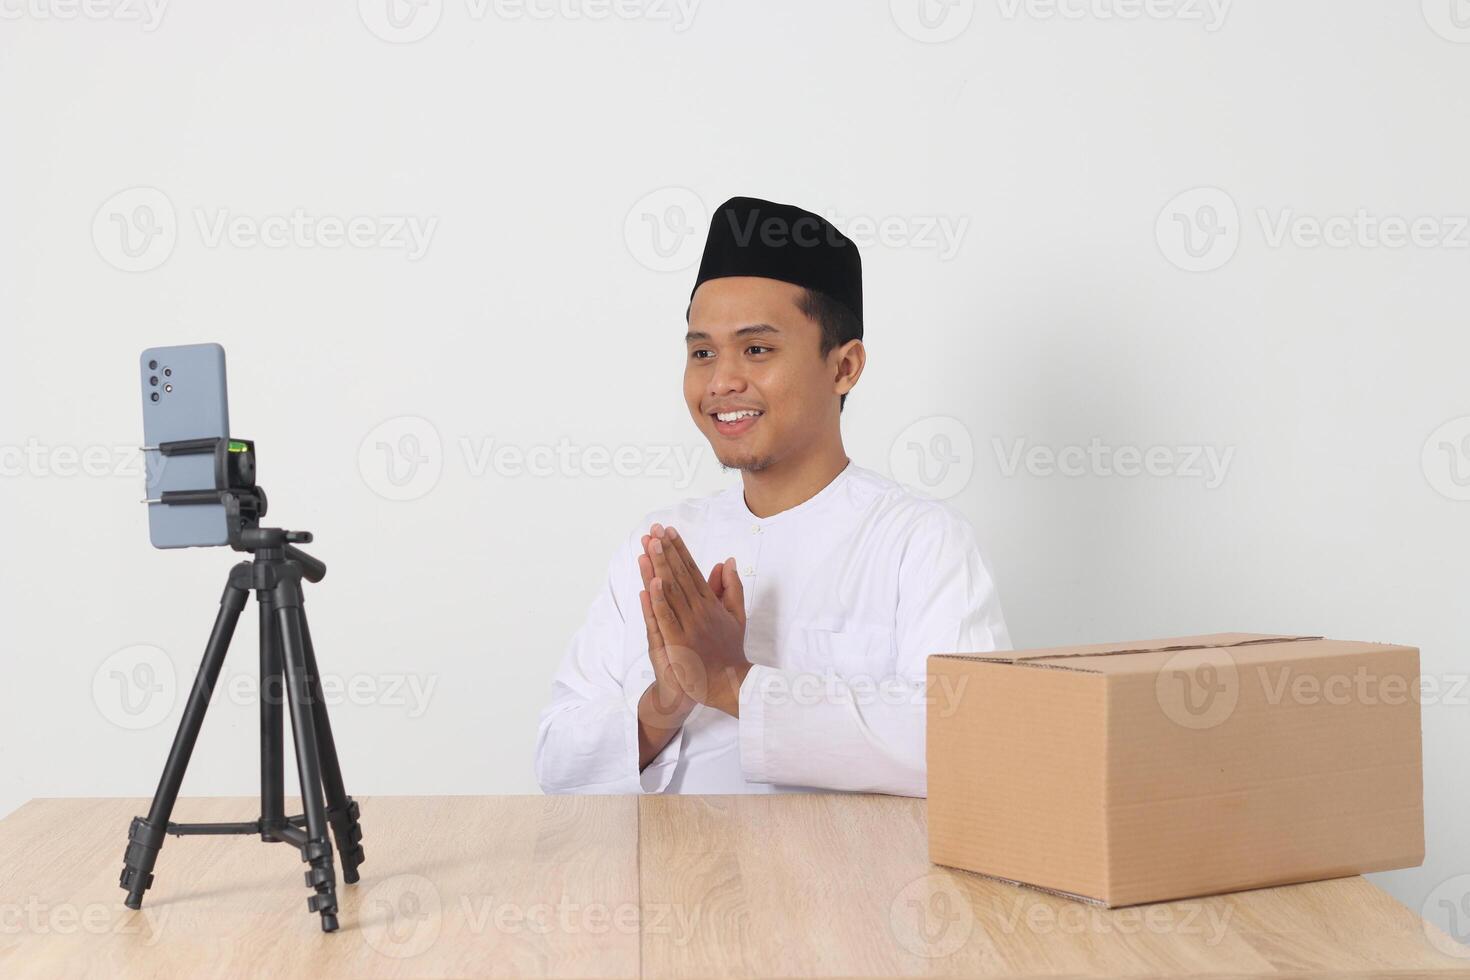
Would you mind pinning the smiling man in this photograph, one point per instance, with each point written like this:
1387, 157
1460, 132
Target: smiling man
797, 661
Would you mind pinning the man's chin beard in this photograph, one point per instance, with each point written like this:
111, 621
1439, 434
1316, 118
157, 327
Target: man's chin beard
746, 463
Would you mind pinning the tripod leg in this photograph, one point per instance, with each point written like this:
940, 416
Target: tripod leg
317, 851
272, 697
342, 810
145, 837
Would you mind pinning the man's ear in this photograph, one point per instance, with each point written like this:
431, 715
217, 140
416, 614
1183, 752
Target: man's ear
847, 364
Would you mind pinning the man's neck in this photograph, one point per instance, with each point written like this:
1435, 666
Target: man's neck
783, 486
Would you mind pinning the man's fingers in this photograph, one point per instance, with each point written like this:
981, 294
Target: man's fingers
663, 612
674, 591
645, 567
669, 565
717, 580
733, 597
691, 568
683, 570
650, 623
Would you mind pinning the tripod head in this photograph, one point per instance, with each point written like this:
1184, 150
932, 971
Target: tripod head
274, 542
244, 501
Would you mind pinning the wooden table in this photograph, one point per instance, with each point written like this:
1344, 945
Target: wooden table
819, 885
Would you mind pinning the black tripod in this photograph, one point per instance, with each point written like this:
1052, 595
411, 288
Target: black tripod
287, 665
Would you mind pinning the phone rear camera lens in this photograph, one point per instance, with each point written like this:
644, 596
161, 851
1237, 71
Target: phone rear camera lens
168, 372
154, 396
153, 380
152, 365
168, 387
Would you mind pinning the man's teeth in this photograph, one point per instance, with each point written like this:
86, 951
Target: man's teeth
735, 416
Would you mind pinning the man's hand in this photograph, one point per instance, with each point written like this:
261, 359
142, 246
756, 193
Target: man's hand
667, 703
701, 623
664, 707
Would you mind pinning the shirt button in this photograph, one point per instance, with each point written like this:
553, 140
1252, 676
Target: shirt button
748, 571
755, 529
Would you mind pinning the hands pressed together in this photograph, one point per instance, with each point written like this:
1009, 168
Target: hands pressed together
696, 637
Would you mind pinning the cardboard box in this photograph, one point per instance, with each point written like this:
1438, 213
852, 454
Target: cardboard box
1163, 769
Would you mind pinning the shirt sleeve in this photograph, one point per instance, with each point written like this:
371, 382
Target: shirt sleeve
587, 741
867, 734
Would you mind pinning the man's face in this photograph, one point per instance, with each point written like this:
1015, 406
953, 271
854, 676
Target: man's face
754, 353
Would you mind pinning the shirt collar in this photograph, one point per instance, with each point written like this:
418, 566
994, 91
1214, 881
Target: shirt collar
810, 504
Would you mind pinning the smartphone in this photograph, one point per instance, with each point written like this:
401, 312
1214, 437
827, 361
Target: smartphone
183, 398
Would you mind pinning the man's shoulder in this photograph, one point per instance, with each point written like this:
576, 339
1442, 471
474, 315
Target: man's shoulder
898, 506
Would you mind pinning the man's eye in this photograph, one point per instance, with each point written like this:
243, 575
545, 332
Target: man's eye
757, 349
701, 354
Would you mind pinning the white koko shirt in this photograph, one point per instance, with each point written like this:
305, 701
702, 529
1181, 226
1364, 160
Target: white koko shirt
846, 594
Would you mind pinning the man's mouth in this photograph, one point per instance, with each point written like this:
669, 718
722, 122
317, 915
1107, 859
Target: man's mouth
736, 422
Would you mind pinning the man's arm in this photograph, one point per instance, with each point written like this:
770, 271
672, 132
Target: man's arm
592, 736
868, 735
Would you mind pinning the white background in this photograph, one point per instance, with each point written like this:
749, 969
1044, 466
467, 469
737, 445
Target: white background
544, 313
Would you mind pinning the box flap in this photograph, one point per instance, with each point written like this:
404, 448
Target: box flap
1072, 657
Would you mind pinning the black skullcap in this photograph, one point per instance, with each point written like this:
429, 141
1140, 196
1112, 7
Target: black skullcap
751, 237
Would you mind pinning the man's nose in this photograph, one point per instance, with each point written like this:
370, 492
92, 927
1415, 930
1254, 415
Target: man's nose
726, 379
